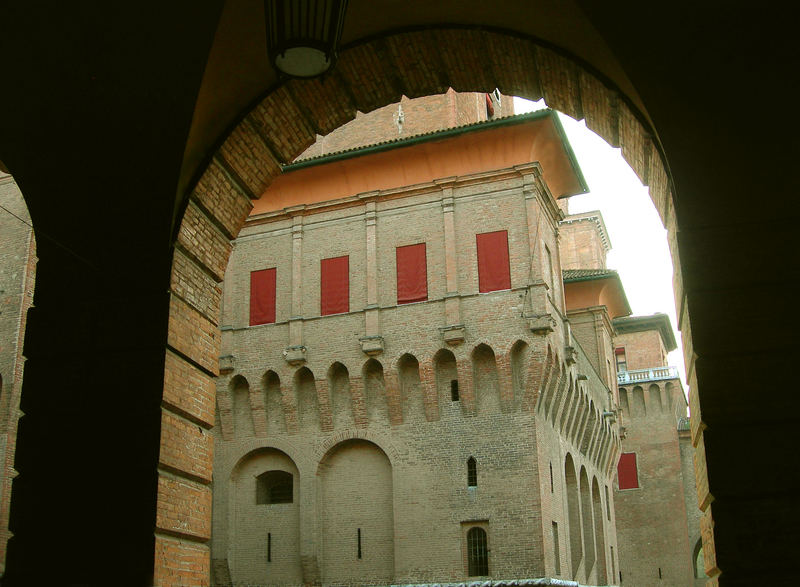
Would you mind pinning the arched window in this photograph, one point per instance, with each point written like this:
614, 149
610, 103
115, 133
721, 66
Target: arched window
274, 487
477, 553
472, 472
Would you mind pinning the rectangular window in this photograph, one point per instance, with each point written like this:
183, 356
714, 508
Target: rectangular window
262, 296
412, 274
334, 285
622, 361
494, 271
627, 475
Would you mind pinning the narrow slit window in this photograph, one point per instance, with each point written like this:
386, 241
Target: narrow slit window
551, 478
477, 553
359, 543
454, 390
472, 472
269, 547
556, 549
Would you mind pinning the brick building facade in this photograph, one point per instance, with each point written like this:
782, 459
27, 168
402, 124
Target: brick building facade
657, 516
402, 398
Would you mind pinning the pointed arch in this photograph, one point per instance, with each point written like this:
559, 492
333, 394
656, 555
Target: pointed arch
340, 396
305, 390
654, 399
375, 392
448, 385
242, 416
485, 380
273, 402
520, 356
599, 533
411, 393
573, 514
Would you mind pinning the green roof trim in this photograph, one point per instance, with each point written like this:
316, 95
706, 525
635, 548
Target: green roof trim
570, 275
446, 133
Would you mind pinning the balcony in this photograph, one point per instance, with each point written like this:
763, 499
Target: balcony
640, 375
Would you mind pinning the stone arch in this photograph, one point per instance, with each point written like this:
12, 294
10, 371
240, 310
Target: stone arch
305, 392
560, 386
589, 428
357, 525
698, 560
284, 123
539, 374
445, 371
411, 392
638, 404
263, 539
573, 514
485, 380
520, 355
586, 523
654, 399
623, 402
242, 415
570, 400
599, 533
273, 402
340, 396
375, 392
669, 393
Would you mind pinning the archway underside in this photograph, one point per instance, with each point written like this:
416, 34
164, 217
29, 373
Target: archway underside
275, 131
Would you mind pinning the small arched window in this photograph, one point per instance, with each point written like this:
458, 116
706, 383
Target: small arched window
472, 472
477, 553
274, 487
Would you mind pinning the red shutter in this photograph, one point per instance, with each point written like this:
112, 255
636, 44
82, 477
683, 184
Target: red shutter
627, 475
334, 285
412, 274
493, 267
262, 296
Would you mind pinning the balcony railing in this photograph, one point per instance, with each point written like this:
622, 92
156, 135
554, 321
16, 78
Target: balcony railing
639, 375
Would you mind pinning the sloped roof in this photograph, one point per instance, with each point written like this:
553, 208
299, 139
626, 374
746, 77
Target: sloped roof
586, 274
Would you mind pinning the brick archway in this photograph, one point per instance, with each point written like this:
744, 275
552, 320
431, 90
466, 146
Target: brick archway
276, 130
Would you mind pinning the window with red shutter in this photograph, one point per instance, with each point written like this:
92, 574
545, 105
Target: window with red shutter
412, 274
334, 285
493, 266
262, 296
627, 475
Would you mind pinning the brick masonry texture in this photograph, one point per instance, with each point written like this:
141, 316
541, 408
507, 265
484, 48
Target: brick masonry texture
515, 67
377, 445
17, 278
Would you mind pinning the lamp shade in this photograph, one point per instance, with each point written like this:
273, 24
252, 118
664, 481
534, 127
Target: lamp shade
303, 35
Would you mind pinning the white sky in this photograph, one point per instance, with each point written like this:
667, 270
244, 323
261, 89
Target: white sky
639, 250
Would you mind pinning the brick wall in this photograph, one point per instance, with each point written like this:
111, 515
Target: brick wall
581, 243
379, 443
642, 349
17, 277
652, 525
407, 118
